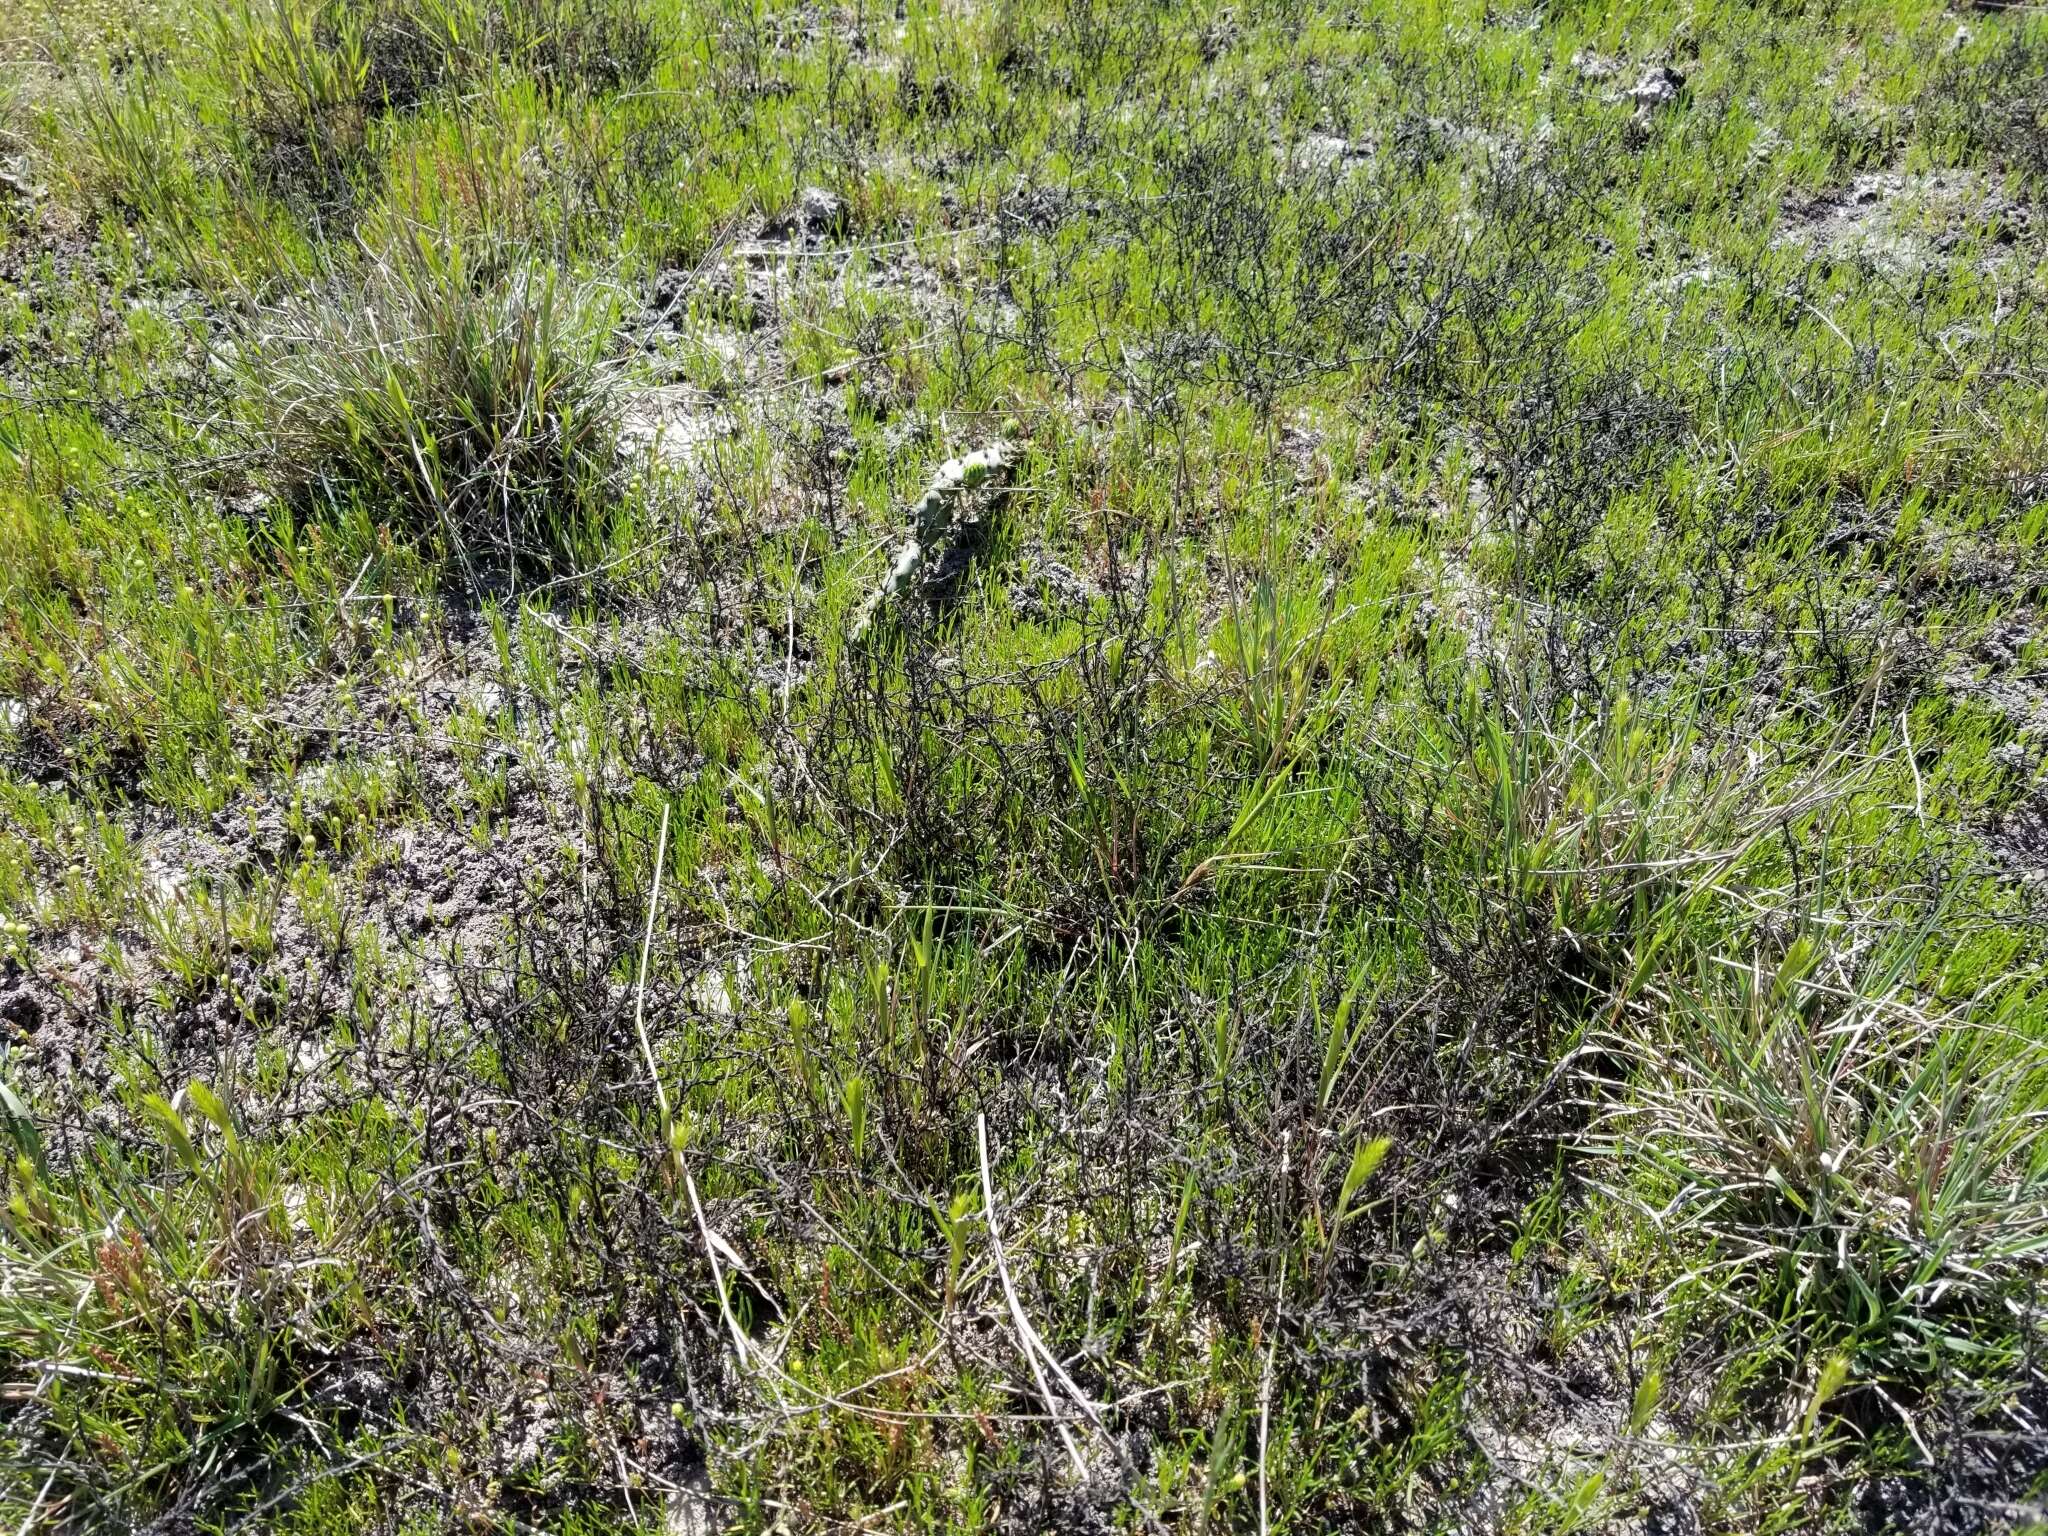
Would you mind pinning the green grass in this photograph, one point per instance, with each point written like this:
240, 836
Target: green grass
1034, 766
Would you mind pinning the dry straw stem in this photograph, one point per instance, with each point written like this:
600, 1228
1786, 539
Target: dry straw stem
1028, 1342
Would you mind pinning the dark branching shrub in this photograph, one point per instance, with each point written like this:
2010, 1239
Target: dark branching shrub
943, 774
1996, 104
1268, 272
474, 406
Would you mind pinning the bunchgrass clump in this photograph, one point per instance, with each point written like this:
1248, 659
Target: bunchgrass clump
472, 404
1862, 1172
297, 100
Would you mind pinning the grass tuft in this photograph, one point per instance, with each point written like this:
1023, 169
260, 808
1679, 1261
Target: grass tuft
478, 406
